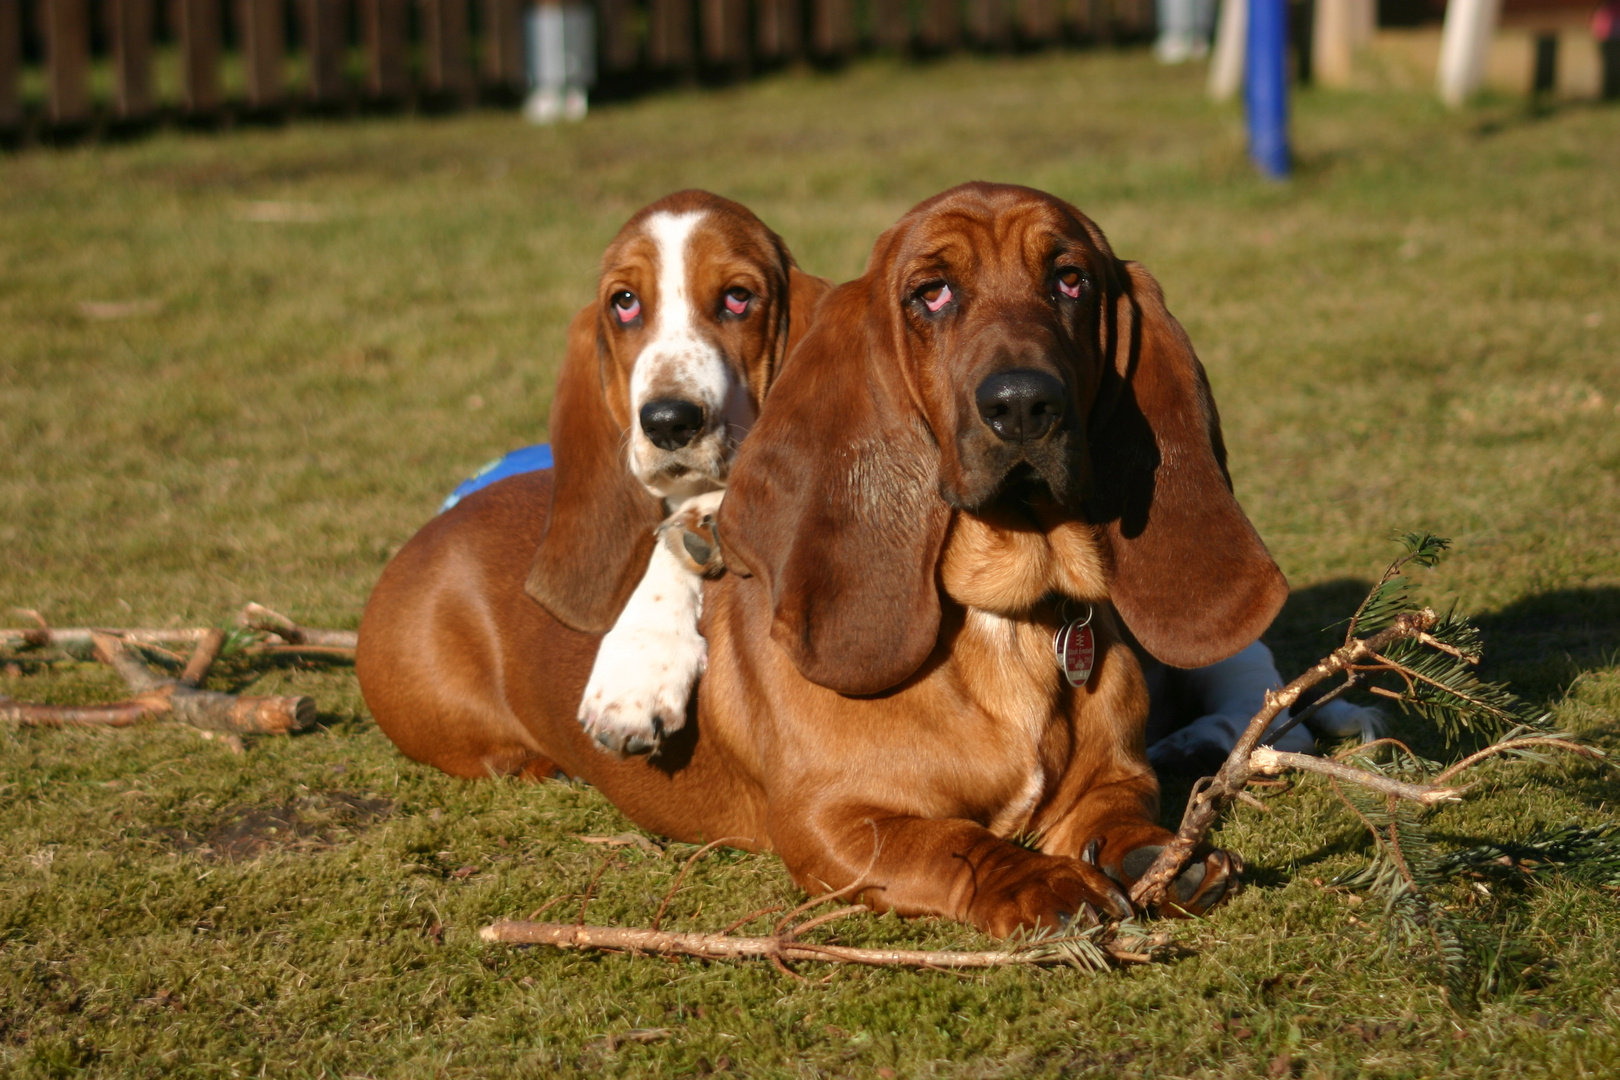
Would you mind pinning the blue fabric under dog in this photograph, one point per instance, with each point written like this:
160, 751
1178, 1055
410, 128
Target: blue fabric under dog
526, 460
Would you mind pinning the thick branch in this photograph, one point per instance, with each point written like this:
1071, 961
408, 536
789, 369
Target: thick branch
28, 714
780, 948
156, 698
1206, 805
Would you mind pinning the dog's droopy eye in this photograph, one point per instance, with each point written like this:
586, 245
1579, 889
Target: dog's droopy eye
737, 299
1070, 281
935, 296
626, 306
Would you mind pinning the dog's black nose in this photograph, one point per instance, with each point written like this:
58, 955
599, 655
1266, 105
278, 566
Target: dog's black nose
671, 423
1021, 405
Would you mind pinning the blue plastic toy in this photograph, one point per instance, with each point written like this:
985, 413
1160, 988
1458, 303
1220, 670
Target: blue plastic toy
528, 459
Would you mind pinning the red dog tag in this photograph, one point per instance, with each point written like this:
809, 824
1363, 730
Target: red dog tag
1076, 650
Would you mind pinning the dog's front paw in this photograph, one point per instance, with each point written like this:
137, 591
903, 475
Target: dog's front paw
1210, 876
639, 688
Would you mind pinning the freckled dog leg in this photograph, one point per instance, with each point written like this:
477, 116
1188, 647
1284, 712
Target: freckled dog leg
650, 660
951, 868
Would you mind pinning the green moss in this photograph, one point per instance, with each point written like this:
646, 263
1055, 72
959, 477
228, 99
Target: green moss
1416, 332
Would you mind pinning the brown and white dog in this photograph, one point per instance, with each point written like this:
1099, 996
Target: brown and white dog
697, 304
695, 310
998, 425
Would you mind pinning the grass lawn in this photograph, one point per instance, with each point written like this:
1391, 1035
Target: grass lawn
247, 367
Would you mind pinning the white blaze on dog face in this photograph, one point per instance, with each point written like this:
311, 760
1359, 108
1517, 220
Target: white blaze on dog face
693, 300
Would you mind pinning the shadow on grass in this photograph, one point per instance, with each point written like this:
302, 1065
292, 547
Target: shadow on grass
1541, 644
1538, 645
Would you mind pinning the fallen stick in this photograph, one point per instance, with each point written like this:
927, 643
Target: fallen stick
259, 617
156, 698
316, 642
1212, 796
79, 637
1270, 762
785, 948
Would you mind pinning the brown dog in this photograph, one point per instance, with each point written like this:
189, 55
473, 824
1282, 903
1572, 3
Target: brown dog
697, 304
995, 429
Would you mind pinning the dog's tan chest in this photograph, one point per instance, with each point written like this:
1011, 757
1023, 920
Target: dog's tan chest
1011, 575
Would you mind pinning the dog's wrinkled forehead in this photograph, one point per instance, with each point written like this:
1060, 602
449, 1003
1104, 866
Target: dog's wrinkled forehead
992, 233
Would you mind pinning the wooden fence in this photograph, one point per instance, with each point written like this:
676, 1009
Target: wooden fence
72, 64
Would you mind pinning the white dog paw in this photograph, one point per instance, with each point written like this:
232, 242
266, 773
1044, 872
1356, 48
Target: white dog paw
639, 689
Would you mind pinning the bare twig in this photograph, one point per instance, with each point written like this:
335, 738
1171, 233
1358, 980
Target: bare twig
259, 617
1309, 711
822, 920
203, 657
1271, 762
680, 877
590, 890
78, 638
1521, 744
815, 902
751, 916
783, 949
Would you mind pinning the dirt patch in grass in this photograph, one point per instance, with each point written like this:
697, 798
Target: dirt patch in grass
315, 822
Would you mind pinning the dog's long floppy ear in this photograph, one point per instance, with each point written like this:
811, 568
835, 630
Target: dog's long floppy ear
1192, 578
805, 293
834, 504
599, 531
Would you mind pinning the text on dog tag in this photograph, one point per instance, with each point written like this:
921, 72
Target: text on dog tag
1076, 650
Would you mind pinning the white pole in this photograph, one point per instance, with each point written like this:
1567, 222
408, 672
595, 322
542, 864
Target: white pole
1463, 47
1226, 66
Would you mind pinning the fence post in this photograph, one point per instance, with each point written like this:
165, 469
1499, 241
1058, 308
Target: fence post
620, 49
444, 40
987, 23
891, 25
1333, 41
132, 57
324, 23
1038, 21
779, 29
725, 32
67, 59
833, 27
383, 27
1231, 42
10, 63
940, 27
199, 54
264, 50
503, 43
670, 44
